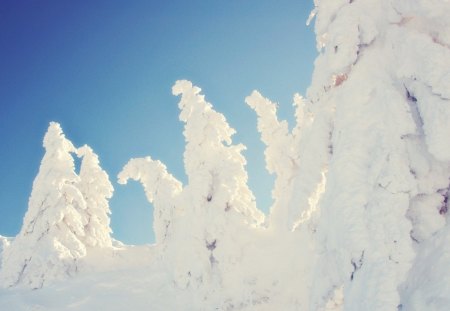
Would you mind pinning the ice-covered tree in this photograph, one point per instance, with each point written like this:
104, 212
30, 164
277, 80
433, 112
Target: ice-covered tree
50, 241
220, 205
96, 189
280, 154
294, 198
382, 77
161, 189
204, 225
361, 192
214, 166
4, 243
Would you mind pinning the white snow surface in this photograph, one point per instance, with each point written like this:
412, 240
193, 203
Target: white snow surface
360, 215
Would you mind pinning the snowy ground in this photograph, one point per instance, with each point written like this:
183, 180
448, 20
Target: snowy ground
127, 278
136, 278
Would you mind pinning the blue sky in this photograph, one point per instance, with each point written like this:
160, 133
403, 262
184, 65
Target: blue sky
104, 70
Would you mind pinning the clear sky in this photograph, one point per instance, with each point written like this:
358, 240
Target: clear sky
104, 70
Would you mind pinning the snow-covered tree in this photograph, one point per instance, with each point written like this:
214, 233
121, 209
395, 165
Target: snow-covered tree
50, 241
382, 77
161, 189
220, 205
4, 243
204, 225
280, 154
96, 188
214, 166
293, 197
361, 194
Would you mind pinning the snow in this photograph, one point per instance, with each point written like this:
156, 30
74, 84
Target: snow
96, 188
373, 177
4, 243
360, 213
428, 287
118, 272
63, 219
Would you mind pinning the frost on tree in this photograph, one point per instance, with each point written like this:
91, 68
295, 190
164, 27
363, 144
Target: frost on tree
221, 207
200, 225
4, 243
280, 154
214, 166
50, 241
286, 157
161, 189
361, 194
382, 76
96, 189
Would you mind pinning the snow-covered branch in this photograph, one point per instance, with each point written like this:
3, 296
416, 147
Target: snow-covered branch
96, 188
215, 167
160, 187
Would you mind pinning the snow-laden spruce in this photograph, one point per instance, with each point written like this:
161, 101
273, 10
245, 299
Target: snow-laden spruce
383, 76
369, 172
201, 227
214, 166
64, 216
96, 189
161, 189
4, 243
294, 198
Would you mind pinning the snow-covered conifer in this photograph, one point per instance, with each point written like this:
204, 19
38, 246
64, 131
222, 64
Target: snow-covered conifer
285, 157
280, 154
96, 188
160, 187
361, 194
214, 166
200, 225
219, 207
4, 243
50, 241
383, 78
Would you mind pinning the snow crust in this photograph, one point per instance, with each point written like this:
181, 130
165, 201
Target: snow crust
360, 213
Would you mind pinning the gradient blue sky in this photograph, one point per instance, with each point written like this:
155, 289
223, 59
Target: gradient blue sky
104, 70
